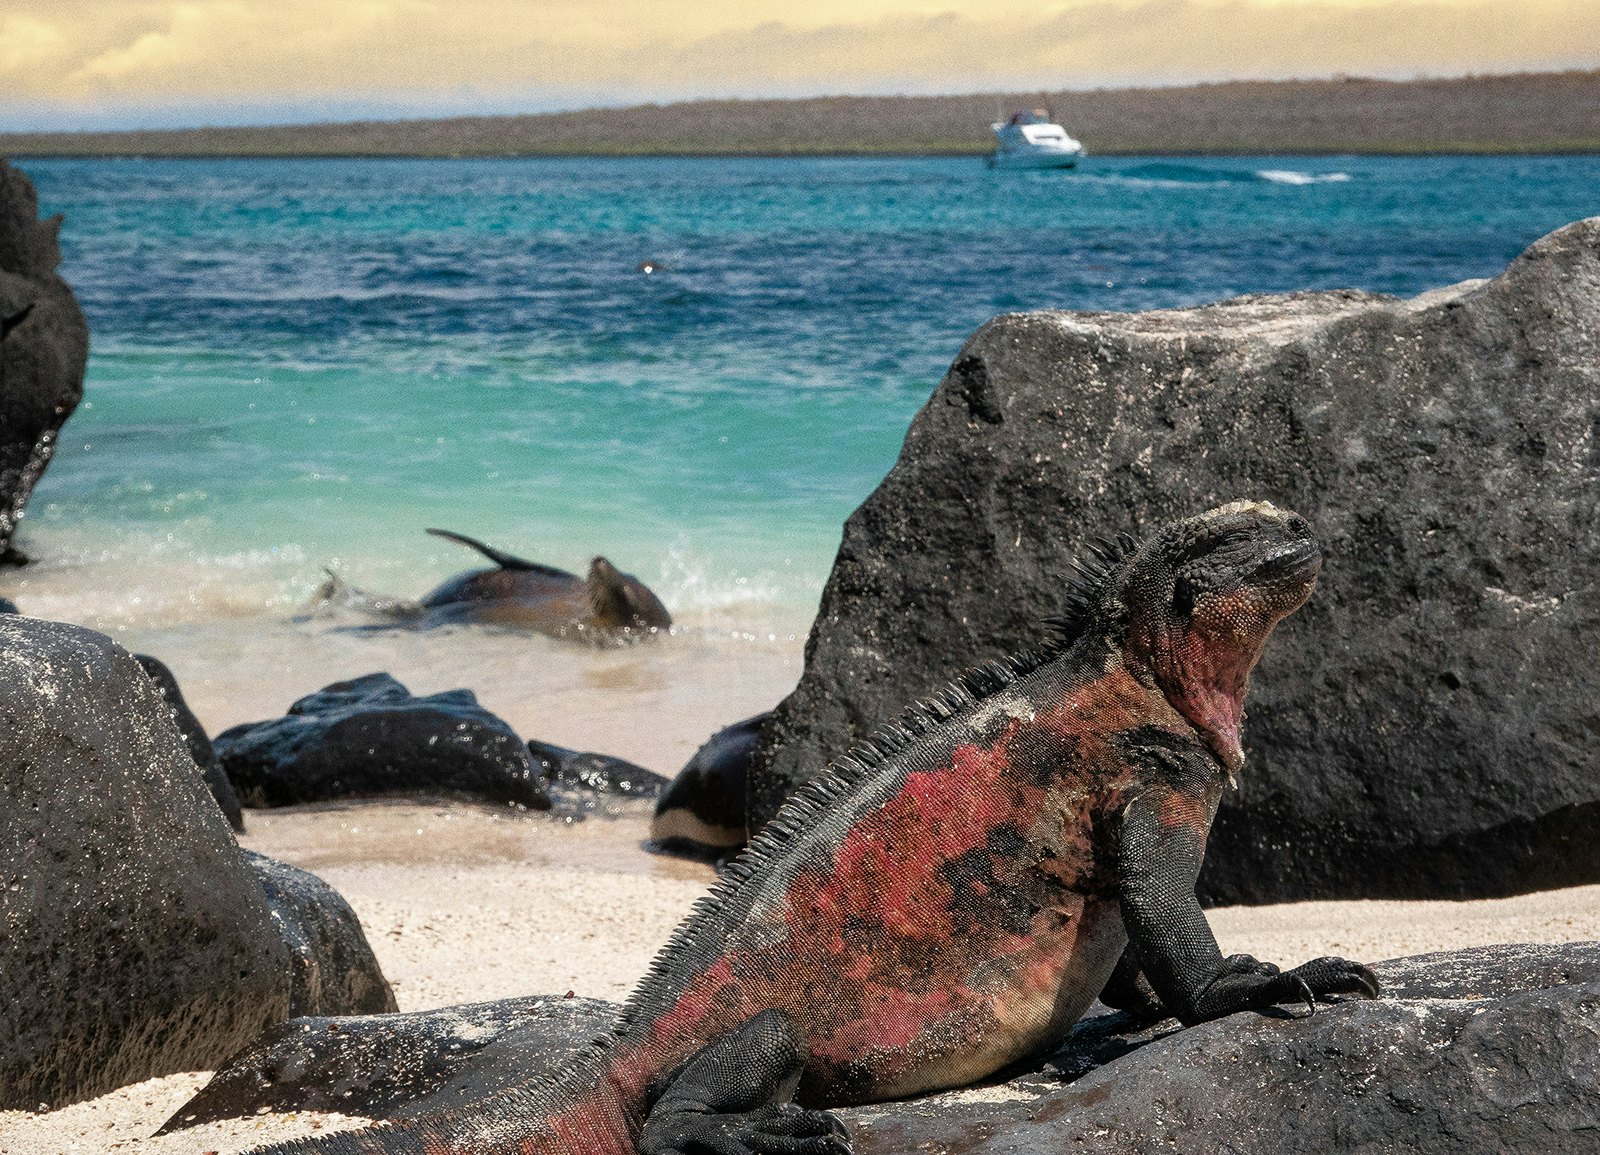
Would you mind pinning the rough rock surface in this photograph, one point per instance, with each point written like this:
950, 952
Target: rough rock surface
194, 737
44, 347
601, 773
397, 1066
370, 736
1491, 1049
1494, 1049
333, 968
134, 941
1426, 725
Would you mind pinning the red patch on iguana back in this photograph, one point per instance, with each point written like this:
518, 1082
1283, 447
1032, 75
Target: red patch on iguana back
867, 957
876, 948
893, 956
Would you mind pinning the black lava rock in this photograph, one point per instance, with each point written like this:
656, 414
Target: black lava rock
598, 772
334, 971
7, 606
1424, 727
1492, 1049
44, 347
398, 1066
704, 808
136, 940
194, 737
371, 736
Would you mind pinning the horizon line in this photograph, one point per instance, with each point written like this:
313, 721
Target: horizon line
623, 105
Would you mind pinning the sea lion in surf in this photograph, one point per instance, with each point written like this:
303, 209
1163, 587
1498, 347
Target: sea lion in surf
605, 605
335, 596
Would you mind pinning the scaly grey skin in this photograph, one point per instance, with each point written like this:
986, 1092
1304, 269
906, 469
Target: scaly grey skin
951, 897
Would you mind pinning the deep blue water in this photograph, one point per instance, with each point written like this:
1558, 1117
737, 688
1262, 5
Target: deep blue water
298, 363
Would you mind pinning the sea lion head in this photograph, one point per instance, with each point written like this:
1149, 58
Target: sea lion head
622, 601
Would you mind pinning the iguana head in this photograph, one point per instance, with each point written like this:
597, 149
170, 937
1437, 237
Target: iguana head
1198, 600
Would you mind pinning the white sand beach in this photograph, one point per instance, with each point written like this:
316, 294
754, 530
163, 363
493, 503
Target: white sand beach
464, 902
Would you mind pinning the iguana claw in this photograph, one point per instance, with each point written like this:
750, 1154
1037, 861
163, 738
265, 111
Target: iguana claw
1302, 994
1338, 976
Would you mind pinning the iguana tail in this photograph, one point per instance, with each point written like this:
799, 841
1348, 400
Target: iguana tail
382, 1139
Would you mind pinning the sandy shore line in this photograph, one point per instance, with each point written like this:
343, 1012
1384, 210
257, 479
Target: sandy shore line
463, 903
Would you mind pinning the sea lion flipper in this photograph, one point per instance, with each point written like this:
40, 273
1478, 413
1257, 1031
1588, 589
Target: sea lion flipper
499, 557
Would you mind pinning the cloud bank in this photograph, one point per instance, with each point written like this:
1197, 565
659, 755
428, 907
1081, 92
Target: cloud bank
214, 61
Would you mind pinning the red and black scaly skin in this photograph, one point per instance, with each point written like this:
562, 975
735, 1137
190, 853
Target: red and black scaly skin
953, 896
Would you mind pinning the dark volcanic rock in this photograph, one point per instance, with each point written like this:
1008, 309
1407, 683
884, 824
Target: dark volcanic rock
1426, 725
194, 737
370, 736
597, 772
136, 941
398, 1066
704, 808
1494, 1049
44, 346
334, 971
7, 606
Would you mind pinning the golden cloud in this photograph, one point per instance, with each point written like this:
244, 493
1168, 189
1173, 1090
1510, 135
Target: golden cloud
74, 51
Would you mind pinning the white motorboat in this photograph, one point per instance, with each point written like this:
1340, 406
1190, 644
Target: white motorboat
1033, 140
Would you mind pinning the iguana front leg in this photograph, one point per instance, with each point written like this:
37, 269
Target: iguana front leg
732, 1098
1162, 845
1128, 990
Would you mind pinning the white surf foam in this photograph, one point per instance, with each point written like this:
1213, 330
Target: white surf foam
1291, 176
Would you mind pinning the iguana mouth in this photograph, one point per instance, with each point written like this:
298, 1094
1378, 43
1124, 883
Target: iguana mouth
1296, 561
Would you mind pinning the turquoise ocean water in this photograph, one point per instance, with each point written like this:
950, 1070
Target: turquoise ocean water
299, 364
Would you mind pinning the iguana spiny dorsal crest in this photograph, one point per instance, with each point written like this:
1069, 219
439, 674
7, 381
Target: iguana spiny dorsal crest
952, 896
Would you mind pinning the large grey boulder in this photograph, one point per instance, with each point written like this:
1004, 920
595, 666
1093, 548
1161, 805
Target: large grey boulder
1427, 725
44, 348
134, 940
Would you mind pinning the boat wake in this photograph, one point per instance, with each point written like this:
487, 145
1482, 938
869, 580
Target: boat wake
1167, 175
1290, 176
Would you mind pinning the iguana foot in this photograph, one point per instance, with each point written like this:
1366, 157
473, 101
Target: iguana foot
1337, 976
781, 1129
1248, 984
730, 1099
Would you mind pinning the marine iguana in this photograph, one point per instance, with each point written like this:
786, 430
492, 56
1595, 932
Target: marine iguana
952, 895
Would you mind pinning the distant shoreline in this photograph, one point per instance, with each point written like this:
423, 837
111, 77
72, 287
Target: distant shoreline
1525, 114
1586, 149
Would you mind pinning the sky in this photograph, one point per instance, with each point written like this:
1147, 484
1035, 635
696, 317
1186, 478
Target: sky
73, 64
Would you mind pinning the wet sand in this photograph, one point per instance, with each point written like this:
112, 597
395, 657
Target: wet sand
464, 902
